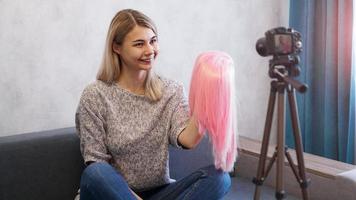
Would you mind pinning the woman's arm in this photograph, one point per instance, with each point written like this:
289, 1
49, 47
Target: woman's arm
190, 136
137, 197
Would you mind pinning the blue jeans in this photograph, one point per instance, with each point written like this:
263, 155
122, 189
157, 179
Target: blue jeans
101, 181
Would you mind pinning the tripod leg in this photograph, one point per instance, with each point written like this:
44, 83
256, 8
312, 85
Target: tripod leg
280, 193
291, 164
258, 180
298, 144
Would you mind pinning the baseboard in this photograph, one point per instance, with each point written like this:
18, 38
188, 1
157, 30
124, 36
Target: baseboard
321, 171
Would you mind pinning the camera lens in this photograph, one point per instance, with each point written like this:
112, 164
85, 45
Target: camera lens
261, 47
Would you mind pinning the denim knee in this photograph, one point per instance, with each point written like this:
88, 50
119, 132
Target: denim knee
225, 182
102, 181
221, 180
94, 172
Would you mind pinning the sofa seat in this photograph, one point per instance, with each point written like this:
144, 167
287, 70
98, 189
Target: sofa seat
47, 165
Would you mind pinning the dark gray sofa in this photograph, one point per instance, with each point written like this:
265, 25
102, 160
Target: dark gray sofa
47, 165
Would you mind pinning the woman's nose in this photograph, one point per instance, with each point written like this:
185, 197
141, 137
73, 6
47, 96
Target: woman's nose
150, 49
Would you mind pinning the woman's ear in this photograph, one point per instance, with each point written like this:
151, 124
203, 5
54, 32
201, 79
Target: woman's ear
116, 48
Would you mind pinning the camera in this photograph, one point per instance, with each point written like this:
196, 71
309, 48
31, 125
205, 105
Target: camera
279, 41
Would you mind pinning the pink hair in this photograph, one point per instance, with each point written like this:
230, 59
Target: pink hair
212, 102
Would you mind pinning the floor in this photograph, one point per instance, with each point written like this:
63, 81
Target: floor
243, 189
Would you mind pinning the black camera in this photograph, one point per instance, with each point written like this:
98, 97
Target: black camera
279, 41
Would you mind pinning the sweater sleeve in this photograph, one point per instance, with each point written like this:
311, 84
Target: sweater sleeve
90, 124
180, 116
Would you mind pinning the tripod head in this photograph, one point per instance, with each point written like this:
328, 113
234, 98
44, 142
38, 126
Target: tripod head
284, 68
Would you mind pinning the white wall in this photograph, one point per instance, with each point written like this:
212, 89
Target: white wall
49, 51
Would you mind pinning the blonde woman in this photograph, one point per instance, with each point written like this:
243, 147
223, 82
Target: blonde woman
129, 116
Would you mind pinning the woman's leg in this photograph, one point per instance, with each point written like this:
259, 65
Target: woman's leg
101, 181
215, 185
205, 183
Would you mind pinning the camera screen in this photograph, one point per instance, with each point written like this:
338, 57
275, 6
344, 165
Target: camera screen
283, 43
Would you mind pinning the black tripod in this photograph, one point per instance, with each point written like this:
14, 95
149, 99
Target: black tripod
281, 84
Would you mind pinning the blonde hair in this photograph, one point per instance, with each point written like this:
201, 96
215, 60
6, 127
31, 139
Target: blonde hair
109, 71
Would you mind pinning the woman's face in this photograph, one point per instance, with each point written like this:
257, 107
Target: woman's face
139, 49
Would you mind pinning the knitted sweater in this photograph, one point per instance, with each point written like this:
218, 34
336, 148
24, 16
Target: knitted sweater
131, 132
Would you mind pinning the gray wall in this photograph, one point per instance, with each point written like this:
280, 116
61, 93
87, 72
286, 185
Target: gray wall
49, 51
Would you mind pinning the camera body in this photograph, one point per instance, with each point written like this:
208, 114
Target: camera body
279, 42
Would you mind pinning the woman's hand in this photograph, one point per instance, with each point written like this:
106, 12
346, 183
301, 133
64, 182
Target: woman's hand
190, 136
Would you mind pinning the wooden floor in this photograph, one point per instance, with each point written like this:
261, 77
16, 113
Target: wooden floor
243, 189
321, 166
321, 171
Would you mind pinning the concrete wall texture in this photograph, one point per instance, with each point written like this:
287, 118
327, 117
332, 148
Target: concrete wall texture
50, 50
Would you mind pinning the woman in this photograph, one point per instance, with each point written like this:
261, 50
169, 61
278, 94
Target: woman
129, 116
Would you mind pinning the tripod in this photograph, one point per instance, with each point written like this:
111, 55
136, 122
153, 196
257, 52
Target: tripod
282, 84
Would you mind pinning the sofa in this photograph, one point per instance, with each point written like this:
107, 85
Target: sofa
47, 165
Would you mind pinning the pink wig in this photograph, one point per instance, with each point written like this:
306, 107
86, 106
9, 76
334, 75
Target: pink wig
212, 102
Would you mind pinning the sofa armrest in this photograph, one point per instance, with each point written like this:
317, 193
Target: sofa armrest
41, 165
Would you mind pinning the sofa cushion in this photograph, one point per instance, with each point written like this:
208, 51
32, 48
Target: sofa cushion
42, 165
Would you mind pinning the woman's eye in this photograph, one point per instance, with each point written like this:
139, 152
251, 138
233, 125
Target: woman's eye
138, 44
153, 41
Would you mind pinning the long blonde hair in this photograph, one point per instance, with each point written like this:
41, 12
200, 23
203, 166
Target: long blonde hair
109, 71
